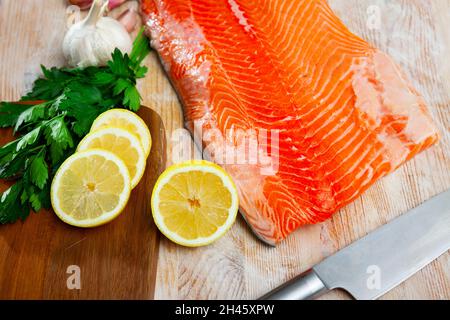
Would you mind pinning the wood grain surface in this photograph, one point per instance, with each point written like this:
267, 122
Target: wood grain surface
414, 32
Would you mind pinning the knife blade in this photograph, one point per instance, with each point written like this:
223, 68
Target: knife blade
383, 259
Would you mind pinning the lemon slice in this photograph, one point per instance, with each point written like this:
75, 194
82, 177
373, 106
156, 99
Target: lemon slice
124, 119
194, 203
90, 188
123, 144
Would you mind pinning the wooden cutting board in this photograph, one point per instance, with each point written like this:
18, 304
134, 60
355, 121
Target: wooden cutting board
44, 258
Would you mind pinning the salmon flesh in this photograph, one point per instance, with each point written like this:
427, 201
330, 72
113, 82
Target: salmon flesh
303, 114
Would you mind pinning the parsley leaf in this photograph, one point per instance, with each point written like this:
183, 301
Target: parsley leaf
51, 86
13, 165
35, 201
10, 113
29, 139
39, 170
120, 86
33, 113
120, 64
132, 99
103, 78
58, 138
10, 204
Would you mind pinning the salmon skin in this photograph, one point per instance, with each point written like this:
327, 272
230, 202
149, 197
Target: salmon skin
336, 113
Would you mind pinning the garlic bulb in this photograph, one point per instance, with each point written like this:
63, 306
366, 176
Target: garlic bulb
90, 42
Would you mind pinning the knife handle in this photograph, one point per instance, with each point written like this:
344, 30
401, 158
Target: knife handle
306, 286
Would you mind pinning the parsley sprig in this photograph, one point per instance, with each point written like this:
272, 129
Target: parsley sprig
51, 120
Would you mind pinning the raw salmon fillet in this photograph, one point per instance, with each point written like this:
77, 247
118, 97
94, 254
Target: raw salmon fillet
343, 112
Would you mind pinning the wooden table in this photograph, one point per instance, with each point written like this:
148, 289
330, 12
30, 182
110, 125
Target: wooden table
414, 32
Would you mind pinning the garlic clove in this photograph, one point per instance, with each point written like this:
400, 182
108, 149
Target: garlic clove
128, 19
115, 3
86, 4
95, 13
83, 4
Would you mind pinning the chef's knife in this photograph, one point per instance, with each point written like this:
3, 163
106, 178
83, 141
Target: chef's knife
375, 264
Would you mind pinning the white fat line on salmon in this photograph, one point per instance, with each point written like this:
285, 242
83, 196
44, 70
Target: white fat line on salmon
239, 15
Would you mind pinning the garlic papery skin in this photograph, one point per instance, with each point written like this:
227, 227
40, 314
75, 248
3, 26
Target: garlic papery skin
128, 19
83, 4
86, 4
91, 41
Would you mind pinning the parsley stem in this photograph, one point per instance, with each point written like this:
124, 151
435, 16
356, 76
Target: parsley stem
40, 148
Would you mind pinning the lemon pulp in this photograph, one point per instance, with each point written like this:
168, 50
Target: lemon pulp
90, 188
194, 203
